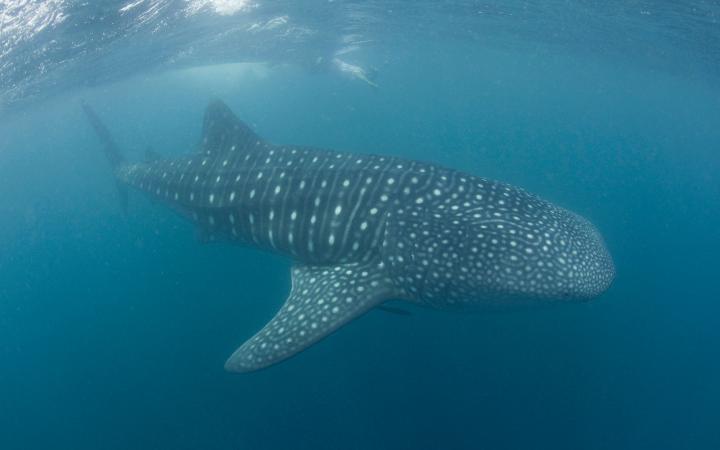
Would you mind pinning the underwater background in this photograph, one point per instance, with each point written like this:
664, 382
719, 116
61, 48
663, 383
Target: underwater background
114, 328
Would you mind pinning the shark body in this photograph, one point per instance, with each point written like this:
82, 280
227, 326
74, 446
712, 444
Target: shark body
363, 229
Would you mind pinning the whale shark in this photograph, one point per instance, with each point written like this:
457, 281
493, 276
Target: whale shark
363, 229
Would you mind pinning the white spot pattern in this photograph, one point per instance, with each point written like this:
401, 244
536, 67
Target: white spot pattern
446, 238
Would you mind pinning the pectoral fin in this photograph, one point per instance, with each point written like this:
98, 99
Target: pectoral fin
322, 300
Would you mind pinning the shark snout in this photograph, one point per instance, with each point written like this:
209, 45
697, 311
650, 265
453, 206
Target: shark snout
589, 263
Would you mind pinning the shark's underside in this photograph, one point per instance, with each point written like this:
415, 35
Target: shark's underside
364, 229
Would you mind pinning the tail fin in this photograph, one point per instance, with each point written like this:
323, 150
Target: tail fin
111, 151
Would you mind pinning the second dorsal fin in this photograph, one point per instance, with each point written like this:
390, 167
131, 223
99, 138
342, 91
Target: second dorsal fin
224, 132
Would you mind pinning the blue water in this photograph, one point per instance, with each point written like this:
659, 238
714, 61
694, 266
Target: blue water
114, 329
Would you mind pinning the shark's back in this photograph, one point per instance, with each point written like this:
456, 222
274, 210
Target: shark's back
317, 206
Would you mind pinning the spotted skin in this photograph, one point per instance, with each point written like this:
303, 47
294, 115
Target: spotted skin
364, 229
321, 300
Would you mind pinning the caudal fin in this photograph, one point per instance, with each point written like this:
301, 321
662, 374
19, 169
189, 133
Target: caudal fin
112, 153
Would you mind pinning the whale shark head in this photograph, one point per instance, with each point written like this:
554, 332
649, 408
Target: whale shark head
496, 244
584, 267
559, 256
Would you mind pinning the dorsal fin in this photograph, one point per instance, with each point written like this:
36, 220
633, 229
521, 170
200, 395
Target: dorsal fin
224, 132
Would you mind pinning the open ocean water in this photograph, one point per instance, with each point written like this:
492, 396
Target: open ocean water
114, 328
